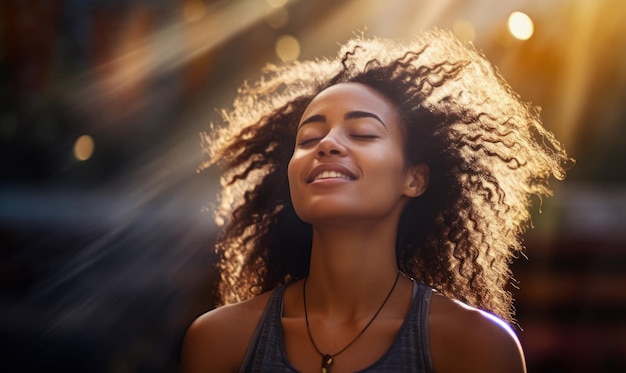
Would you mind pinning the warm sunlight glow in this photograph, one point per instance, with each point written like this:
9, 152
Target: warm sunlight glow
521, 26
276, 3
83, 148
163, 51
464, 30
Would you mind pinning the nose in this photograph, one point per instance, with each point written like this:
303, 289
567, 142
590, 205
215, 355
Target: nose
331, 145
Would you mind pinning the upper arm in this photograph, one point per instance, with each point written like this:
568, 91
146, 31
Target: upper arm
202, 351
490, 345
217, 341
499, 346
464, 339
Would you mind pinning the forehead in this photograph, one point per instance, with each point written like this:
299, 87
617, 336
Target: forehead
352, 96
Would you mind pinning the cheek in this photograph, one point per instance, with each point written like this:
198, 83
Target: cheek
294, 173
390, 174
294, 177
291, 170
391, 162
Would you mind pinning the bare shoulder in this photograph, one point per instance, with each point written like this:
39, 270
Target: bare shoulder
465, 339
217, 340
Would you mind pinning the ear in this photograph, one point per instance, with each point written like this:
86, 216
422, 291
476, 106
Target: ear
417, 180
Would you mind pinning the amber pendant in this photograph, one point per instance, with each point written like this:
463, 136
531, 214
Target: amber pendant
327, 361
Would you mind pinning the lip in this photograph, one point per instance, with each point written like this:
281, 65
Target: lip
330, 167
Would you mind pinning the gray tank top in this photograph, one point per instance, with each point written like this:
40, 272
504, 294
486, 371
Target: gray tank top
409, 352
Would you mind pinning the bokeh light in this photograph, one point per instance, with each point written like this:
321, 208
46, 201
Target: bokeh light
521, 26
287, 48
84, 147
194, 10
109, 247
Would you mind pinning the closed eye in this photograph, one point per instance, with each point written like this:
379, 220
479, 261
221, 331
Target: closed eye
309, 141
366, 137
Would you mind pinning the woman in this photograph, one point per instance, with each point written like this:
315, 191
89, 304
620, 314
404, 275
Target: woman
353, 188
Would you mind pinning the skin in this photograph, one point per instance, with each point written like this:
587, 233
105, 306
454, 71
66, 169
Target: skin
352, 129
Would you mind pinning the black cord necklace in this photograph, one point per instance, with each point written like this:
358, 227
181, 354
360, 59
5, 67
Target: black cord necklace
328, 359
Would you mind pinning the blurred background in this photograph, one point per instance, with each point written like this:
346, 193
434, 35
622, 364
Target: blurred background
105, 223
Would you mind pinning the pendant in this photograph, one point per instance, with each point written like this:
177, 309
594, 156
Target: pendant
327, 361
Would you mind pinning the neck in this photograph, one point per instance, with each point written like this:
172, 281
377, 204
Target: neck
351, 270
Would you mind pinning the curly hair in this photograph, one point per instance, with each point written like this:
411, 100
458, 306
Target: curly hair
486, 149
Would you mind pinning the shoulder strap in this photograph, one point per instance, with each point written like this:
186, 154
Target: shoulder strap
271, 315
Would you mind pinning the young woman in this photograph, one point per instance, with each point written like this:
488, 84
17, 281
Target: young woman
373, 205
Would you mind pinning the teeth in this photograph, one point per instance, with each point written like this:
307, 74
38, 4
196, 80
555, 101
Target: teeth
332, 174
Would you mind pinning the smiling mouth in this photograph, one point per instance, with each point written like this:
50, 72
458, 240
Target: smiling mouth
332, 175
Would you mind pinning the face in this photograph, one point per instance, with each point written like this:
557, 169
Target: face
348, 161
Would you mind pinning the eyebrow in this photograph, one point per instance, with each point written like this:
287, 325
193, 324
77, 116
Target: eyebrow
349, 115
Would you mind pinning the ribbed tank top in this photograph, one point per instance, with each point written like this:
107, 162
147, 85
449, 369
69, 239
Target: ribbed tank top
409, 352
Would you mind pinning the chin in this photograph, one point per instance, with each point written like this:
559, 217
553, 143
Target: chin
337, 214
325, 213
